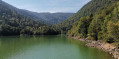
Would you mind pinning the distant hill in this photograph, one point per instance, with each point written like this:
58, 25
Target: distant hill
53, 18
47, 18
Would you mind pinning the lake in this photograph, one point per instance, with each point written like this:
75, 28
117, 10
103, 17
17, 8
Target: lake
47, 47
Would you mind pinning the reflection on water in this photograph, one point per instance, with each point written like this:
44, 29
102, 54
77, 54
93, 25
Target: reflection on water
47, 47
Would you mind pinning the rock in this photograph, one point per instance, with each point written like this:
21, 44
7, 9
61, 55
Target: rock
113, 50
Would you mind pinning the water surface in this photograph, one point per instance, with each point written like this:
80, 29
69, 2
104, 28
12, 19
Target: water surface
47, 47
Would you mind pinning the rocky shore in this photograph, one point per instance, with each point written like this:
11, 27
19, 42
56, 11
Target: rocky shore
111, 49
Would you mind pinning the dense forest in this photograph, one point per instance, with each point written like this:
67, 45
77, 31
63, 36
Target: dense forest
12, 23
102, 25
91, 8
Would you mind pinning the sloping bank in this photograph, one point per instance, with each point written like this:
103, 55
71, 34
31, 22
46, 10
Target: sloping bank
111, 49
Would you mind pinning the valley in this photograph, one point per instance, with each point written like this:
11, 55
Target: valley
97, 20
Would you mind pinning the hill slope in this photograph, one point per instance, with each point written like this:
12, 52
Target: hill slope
13, 23
53, 18
101, 26
94, 6
47, 18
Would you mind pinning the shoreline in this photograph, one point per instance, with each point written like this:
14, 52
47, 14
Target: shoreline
111, 49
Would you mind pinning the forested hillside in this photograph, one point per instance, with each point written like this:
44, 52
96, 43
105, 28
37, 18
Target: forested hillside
12, 23
102, 25
97, 20
53, 18
90, 9
47, 18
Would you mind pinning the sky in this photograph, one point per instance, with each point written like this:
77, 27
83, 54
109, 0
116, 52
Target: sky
51, 6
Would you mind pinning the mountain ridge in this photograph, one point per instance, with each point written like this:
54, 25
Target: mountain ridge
54, 18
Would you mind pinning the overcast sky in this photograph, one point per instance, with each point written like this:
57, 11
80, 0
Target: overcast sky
48, 5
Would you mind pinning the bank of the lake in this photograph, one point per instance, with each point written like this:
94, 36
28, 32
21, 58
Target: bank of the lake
111, 49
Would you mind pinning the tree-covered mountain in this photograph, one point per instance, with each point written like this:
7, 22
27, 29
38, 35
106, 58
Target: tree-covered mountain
47, 18
91, 8
97, 20
54, 18
13, 23
103, 25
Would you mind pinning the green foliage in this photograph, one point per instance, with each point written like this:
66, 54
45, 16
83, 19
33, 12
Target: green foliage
90, 9
113, 30
80, 27
102, 25
13, 23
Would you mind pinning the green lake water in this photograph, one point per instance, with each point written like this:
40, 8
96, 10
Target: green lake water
47, 47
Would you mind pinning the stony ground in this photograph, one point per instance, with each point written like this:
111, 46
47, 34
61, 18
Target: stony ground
101, 45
